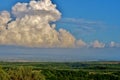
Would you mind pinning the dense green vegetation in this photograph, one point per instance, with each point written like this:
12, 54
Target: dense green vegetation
60, 71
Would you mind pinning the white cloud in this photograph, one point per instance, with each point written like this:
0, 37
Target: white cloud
81, 43
114, 44
4, 18
97, 44
32, 26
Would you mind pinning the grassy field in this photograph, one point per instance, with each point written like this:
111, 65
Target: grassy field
62, 70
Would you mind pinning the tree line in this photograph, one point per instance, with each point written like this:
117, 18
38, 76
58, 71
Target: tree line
29, 73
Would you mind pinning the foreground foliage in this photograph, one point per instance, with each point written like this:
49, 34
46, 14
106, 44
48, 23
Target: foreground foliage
20, 73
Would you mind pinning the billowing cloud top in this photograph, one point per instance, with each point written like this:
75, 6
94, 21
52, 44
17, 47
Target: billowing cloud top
32, 27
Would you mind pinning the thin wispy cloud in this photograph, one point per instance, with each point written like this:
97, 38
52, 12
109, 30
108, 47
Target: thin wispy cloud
82, 25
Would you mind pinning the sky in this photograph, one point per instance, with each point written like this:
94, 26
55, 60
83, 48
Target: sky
104, 12
88, 24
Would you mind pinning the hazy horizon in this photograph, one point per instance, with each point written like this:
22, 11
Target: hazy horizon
12, 53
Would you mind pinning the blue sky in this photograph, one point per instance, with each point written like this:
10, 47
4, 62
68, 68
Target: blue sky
100, 10
103, 12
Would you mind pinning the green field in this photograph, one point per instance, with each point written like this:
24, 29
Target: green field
60, 70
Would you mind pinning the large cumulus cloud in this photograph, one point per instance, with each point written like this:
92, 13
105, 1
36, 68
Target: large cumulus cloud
32, 26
